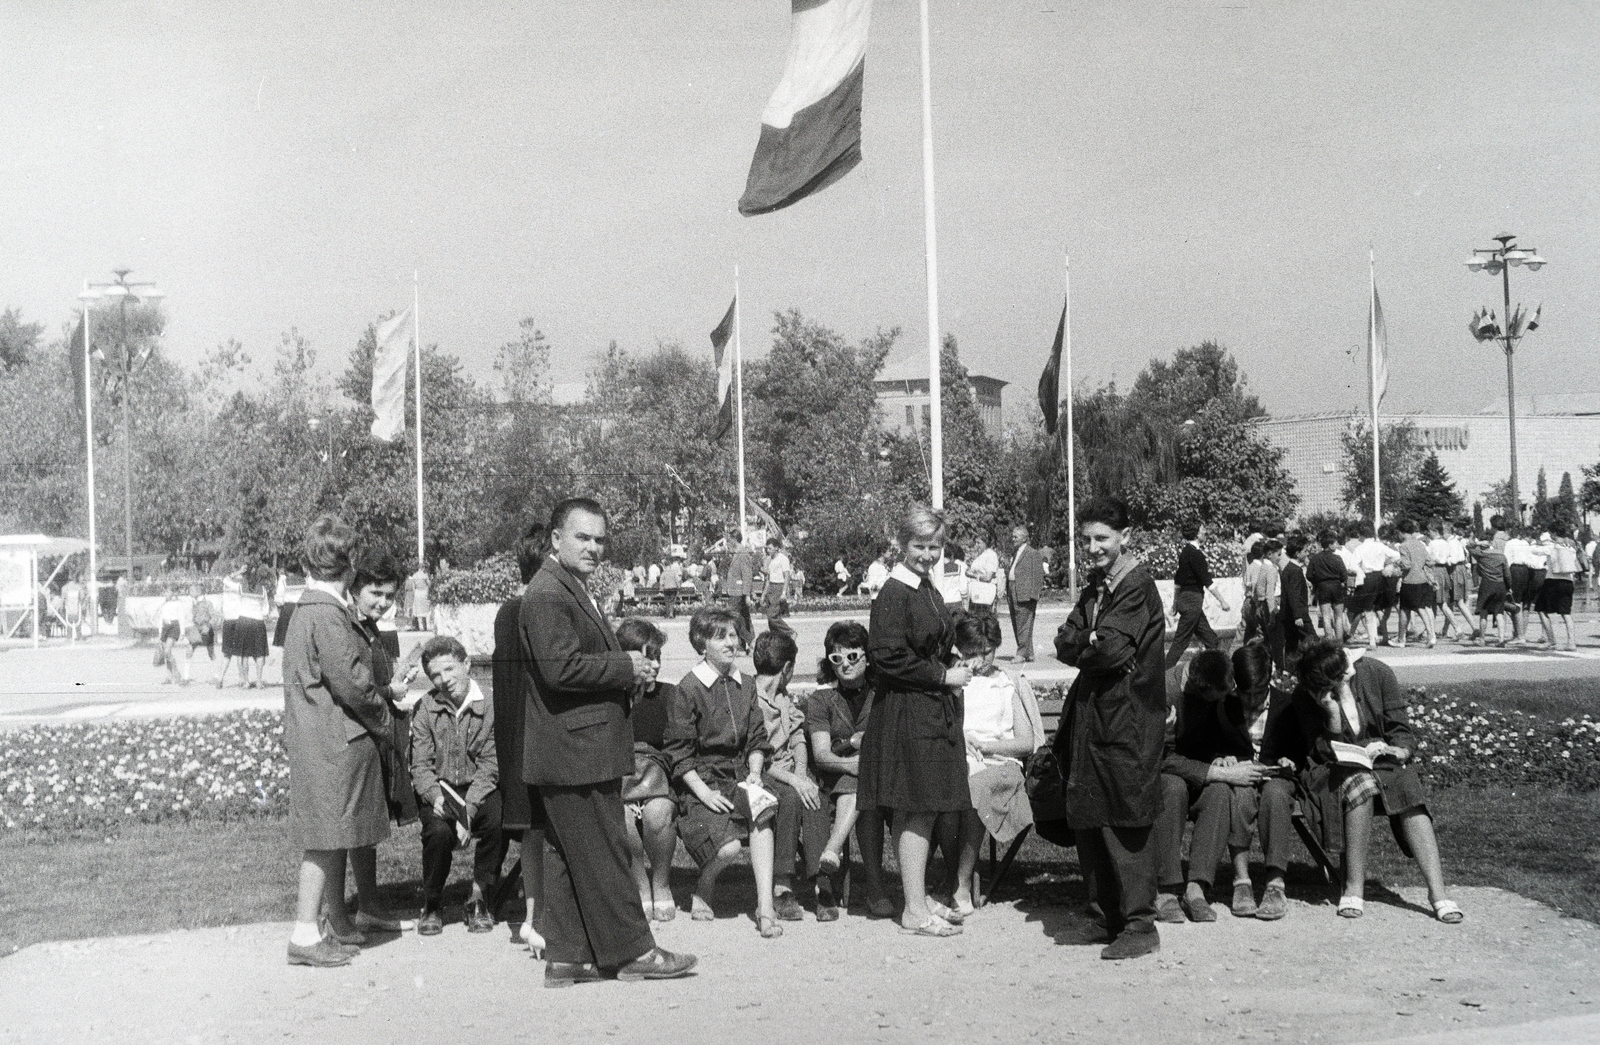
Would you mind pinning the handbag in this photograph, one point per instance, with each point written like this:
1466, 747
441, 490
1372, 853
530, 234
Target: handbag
648, 780
982, 593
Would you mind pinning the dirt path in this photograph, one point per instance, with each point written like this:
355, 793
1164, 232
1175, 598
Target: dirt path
1309, 978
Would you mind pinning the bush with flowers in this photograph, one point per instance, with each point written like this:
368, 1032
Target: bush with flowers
494, 580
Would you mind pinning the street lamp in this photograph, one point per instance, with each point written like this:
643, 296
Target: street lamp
1499, 261
122, 291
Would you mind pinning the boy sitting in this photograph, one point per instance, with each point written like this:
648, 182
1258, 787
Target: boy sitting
455, 772
801, 812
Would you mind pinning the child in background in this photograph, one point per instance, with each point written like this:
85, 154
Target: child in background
802, 818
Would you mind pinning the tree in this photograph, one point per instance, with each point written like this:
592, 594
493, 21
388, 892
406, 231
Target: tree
1227, 475
524, 366
17, 339
1199, 379
1401, 455
1559, 514
1434, 494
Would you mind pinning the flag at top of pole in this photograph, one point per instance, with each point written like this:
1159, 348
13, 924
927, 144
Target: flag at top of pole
811, 127
1378, 376
1050, 380
389, 378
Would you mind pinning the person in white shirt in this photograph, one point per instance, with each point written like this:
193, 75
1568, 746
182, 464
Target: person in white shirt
653, 577
1371, 557
841, 573
877, 574
1447, 562
950, 577
773, 602
983, 577
1525, 571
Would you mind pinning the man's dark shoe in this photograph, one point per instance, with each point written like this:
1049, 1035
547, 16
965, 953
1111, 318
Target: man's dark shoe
1198, 910
1132, 945
657, 965
565, 974
324, 954
479, 920
787, 907
827, 905
1169, 909
431, 923
1274, 904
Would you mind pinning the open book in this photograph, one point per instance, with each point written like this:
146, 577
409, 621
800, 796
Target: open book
1356, 754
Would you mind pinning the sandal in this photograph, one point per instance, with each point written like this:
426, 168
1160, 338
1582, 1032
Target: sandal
829, 862
701, 911
768, 927
1351, 907
933, 927
940, 911
664, 910
963, 910
1447, 911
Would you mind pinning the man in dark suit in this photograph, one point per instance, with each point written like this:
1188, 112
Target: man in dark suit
578, 745
1026, 578
741, 585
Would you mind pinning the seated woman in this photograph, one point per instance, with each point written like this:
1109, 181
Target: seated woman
801, 820
1001, 721
647, 794
1255, 711
836, 719
1356, 702
716, 742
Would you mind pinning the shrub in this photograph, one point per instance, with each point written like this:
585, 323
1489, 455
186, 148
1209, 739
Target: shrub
494, 580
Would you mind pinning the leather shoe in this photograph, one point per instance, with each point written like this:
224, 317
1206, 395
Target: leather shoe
565, 974
479, 920
657, 965
787, 907
324, 954
1198, 910
355, 939
1169, 909
1274, 904
1132, 945
431, 923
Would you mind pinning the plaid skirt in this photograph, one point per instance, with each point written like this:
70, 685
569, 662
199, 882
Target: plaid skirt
1357, 787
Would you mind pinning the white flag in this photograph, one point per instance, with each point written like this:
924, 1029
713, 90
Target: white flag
389, 378
1378, 350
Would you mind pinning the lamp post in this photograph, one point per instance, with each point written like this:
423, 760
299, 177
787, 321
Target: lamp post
122, 292
1499, 261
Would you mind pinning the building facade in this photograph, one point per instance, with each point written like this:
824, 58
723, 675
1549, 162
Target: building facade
904, 405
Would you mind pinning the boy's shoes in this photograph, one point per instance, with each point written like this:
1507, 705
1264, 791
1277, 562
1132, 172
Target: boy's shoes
827, 905
1169, 910
324, 954
1132, 945
431, 923
1274, 904
1244, 900
657, 965
355, 940
787, 907
565, 974
479, 920
1198, 910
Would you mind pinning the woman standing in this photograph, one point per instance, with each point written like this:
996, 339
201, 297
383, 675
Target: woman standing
913, 757
335, 718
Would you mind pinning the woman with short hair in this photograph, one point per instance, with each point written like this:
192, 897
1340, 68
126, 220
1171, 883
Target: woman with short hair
913, 757
647, 794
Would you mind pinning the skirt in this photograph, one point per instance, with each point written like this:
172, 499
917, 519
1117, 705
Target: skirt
1555, 596
914, 756
1491, 598
1000, 796
1416, 597
230, 638
280, 631
703, 831
250, 639
336, 795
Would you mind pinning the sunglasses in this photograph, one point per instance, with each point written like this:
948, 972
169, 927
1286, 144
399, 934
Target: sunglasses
846, 660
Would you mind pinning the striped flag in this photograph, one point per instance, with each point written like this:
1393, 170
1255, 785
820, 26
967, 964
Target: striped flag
811, 127
1378, 350
1050, 380
389, 378
724, 361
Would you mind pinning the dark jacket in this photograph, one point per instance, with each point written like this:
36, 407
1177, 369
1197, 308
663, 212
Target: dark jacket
1204, 732
1194, 573
576, 730
1296, 603
510, 697
1029, 579
454, 747
1113, 728
741, 579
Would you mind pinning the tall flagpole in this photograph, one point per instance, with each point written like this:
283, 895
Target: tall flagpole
935, 404
738, 402
1072, 492
416, 331
1372, 365
88, 447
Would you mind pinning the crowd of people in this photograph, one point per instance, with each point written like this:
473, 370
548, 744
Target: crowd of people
598, 770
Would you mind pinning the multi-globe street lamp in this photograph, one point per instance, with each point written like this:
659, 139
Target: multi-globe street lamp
1499, 261
126, 362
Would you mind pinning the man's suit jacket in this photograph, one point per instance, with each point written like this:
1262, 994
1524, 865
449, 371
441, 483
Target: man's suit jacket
580, 682
1029, 579
742, 572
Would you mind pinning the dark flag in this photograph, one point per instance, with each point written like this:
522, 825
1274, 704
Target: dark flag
724, 362
1050, 380
76, 361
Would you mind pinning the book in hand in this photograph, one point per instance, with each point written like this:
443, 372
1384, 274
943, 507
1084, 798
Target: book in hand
456, 806
1356, 754
758, 803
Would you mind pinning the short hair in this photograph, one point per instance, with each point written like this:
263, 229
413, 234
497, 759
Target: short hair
531, 549
1020, 526
1295, 544
441, 646
1270, 546
710, 622
559, 514
375, 566
1107, 511
954, 552
1252, 667
842, 634
977, 634
1210, 676
919, 521
1497, 522
1406, 526
772, 652
1191, 531
1322, 666
1328, 538
326, 550
637, 633
774, 542
1363, 530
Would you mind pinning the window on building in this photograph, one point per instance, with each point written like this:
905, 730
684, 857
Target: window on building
911, 417
927, 415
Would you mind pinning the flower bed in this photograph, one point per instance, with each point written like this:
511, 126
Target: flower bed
93, 776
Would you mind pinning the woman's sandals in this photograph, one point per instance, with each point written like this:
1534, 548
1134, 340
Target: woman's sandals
1351, 907
1447, 911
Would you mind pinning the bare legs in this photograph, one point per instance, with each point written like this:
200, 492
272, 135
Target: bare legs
654, 846
760, 867
1332, 620
1357, 839
972, 832
913, 834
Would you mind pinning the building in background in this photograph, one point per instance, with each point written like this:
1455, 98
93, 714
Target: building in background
1559, 433
905, 406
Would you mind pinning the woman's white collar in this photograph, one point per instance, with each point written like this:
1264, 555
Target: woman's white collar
906, 575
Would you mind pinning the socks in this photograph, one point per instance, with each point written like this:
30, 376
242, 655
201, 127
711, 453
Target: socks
184, 670
306, 934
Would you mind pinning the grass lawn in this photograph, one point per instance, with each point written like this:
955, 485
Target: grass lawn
1544, 845
1549, 698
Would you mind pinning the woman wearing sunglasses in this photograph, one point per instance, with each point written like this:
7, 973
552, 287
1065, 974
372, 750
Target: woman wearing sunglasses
836, 717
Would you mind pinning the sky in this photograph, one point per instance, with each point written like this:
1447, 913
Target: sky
1215, 171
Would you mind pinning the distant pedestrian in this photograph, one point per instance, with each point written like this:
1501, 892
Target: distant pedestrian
774, 604
983, 577
1328, 573
841, 573
1191, 583
741, 585
1026, 577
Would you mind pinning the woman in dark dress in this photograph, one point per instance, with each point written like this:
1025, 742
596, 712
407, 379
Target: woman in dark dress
521, 812
647, 794
913, 756
372, 595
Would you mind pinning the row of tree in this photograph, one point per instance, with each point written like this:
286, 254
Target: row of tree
232, 457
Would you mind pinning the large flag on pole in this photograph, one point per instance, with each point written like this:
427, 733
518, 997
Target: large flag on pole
1050, 380
75, 358
389, 378
724, 361
811, 127
1378, 350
